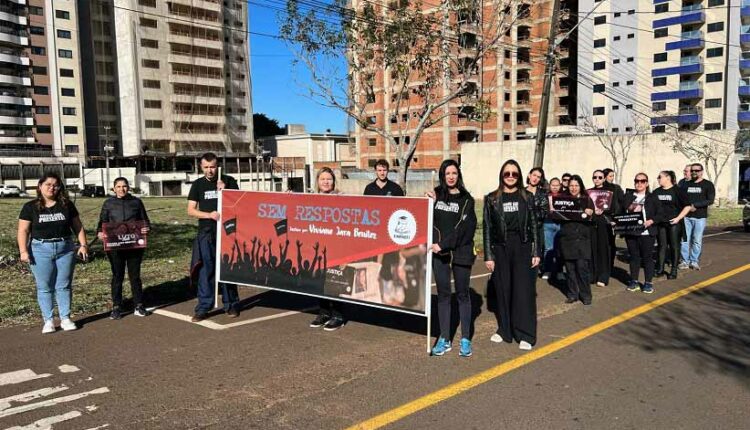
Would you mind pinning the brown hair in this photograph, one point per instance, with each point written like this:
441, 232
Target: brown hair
61, 195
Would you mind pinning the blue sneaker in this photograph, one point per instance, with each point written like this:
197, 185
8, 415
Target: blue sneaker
441, 347
465, 350
633, 286
648, 288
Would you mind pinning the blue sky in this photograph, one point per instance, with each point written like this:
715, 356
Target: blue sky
275, 90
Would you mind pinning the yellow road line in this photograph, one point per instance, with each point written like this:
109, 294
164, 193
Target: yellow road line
464, 385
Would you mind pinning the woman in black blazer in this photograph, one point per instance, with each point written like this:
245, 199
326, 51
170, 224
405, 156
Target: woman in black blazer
641, 243
575, 245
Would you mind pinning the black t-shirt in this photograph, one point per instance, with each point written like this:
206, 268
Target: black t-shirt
447, 214
672, 201
390, 189
49, 223
701, 195
510, 211
204, 192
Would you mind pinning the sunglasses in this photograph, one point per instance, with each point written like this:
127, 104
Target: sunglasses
641, 181
697, 171
513, 175
597, 177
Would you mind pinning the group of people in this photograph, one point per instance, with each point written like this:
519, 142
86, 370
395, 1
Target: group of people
522, 241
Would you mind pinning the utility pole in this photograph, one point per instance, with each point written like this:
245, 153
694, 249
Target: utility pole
541, 134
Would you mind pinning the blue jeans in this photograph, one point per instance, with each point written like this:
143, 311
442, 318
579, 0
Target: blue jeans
551, 230
207, 276
52, 264
692, 246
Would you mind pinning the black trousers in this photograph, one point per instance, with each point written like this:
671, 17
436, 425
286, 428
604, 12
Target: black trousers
579, 279
442, 269
669, 245
515, 289
330, 308
120, 261
641, 249
601, 248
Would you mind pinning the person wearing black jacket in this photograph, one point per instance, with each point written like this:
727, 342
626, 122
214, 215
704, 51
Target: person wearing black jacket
602, 235
536, 184
641, 244
121, 208
575, 245
701, 194
675, 205
454, 223
618, 201
512, 246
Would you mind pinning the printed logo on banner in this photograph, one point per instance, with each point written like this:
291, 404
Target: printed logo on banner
402, 227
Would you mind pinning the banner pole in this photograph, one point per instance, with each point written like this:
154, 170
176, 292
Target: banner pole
217, 264
428, 283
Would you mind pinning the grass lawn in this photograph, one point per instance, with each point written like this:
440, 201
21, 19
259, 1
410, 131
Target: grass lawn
164, 270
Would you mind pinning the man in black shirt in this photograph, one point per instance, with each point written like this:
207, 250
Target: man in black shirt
701, 194
382, 186
203, 202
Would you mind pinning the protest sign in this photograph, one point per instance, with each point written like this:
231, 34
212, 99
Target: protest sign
630, 223
568, 208
123, 235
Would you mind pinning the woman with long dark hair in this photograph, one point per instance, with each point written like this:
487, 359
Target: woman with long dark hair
603, 236
676, 206
454, 223
575, 245
511, 247
641, 244
45, 227
536, 184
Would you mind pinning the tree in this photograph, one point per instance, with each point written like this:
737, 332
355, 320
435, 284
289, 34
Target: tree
617, 145
264, 126
362, 51
712, 150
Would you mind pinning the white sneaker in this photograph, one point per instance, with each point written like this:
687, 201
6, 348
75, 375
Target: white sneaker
49, 327
68, 325
601, 284
524, 346
496, 338
545, 276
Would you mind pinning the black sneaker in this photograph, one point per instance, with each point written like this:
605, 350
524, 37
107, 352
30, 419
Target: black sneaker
140, 311
115, 315
320, 320
334, 323
198, 317
571, 300
233, 312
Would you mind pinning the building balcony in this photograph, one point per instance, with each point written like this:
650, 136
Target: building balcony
744, 87
523, 105
16, 140
195, 60
745, 37
660, 1
743, 113
745, 63
198, 80
14, 58
14, 39
688, 40
12, 100
187, 39
9, 118
200, 4
197, 117
14, 80
688, 66
11, 17
745, 11
687, 90
690, 15
202, 100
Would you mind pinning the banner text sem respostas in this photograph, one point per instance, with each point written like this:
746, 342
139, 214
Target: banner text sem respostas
353, 216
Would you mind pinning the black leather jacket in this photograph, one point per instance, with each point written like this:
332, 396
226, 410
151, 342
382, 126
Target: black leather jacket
495, 227
128, 208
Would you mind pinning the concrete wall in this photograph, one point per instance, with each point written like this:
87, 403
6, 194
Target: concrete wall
480, 162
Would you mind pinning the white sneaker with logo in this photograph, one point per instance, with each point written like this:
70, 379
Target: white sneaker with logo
68, 325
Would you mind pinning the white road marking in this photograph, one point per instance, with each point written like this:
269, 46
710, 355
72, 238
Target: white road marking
46, 423
187, 318
20, 376
99, 427
6, 402
67, 368
266, 318
51, 402
717, 234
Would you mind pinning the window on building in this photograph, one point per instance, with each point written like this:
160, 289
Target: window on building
36, 30
599, 65
599, 110
658, 129
371, 162
372, 119
38, 50
713, 103
715, 26
598, 88
62, 14
615, 130
628, 129
149, 43
661, 32
68, 92
153, 123
712, 3
600, 43
629, 59
628, 106
372, 142
615, 107
506, 117
63, 34
39, 70
69, 129
631, 12
601, 19
712, 126
661, 8
35, 10
660, 82
150, 64
629, 83
659, 106
617, 14
616, 61
65, 53
71, 149
631, 35
69, 111
660, 57
41, 90
507, 75
148, 22
42, 110
151, 83
507, 97
715, 52
66, 73
615, 84
616, 38
714, 77
43, 129
149, 3
152, 104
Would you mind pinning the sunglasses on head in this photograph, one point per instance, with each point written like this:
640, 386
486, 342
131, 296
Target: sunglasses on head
597, 177
641, 181
514, 175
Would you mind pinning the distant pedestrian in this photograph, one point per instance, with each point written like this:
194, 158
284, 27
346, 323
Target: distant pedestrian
701, 194
641, 244
124, 207
575, 246
45, 227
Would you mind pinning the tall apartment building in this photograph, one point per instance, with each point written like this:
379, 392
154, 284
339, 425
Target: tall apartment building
511, 80
743, 86
166, 77
40, 81
672, 64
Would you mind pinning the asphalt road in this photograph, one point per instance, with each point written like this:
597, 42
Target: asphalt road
683, 365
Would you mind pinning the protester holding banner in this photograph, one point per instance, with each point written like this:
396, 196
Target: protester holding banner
45, 226
603, 238
575, 244
511, 246
454, 224
382, 186
203, 202
550, 262
675, 204
120, 209
329, 316
536, 185
640, 242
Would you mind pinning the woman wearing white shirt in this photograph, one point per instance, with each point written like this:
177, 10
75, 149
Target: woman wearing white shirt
641, 244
